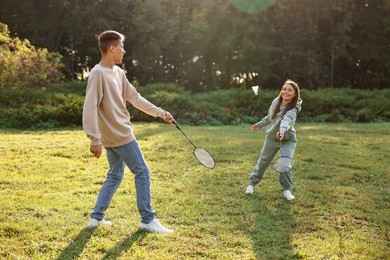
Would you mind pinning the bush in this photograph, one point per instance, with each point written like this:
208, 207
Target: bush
61, 105
169, 97
23, 65
345, 105
58, 106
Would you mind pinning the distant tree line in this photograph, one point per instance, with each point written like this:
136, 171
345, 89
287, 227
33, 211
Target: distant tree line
208, 45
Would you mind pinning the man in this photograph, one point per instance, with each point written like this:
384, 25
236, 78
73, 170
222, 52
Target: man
106, 122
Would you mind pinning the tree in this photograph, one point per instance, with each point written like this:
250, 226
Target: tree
24, 65
370, 46
204, 45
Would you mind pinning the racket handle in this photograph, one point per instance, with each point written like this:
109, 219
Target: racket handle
177, 126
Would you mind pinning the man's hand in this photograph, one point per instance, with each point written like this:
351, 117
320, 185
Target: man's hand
96, 150
167, 117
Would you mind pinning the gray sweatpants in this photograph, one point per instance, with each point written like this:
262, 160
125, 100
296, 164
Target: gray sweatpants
270, 148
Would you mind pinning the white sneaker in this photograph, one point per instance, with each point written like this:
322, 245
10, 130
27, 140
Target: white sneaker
288, 195
94, 222
249, 189
155, 227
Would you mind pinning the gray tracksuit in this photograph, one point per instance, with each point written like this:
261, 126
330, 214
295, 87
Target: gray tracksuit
271, 144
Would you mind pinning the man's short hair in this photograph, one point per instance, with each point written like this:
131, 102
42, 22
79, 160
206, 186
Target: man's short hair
108, 38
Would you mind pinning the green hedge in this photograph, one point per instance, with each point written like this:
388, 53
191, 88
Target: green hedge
61, 105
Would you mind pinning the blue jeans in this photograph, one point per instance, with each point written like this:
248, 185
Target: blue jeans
131, 155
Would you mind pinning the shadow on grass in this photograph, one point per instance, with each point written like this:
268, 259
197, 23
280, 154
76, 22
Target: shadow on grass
116, 251
273, 224
76, 246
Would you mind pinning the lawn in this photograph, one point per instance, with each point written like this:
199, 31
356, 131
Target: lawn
49, 183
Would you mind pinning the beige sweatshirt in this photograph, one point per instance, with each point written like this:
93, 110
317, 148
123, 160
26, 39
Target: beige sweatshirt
106, 120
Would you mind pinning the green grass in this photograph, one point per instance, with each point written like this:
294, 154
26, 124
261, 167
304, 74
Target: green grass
49, 184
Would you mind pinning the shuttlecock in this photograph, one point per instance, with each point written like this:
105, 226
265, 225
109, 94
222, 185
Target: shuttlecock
255, 90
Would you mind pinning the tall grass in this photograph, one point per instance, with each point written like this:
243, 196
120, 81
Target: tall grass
49, 183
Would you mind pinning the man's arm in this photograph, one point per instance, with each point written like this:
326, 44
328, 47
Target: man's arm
142, 103
93, 97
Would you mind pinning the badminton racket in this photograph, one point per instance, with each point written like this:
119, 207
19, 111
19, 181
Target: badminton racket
201, 154
282, 164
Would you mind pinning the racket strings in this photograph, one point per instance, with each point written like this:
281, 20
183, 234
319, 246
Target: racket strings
283, 164
204, 157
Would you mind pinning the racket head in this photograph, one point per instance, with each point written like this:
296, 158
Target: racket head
283, 164
204, 157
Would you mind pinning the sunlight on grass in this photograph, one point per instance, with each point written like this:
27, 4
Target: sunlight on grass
49, 183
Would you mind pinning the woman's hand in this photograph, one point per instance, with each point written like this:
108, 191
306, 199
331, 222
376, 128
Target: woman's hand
280, 135
256, 128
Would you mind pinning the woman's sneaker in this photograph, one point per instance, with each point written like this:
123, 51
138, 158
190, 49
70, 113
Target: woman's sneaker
249, 189
155, 227
94, 222
288, 195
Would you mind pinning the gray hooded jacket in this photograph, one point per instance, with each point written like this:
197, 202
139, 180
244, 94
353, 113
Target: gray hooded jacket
279, 123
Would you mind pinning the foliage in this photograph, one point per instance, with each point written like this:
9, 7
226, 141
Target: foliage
211, 45
49, 183
24, 65
61, 105
339, 105
56, 106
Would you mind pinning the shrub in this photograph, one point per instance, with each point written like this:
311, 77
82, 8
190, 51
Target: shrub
23, 65
61, 105
364, 115
169, 97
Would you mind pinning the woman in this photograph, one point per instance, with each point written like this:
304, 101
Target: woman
280, 121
